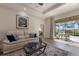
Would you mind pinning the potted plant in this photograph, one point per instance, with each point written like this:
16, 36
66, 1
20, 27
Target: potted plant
40, 33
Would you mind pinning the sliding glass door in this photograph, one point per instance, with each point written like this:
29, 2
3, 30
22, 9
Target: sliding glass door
66, 29
60, 30
69, 29
76, 28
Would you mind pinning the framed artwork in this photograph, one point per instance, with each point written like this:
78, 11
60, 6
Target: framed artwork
22, 22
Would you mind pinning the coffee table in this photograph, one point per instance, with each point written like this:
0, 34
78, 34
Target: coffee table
33, 49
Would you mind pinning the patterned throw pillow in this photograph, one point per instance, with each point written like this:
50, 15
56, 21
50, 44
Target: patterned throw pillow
16, 36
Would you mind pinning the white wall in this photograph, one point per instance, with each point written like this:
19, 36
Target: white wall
34, 24
48, 28
8, 20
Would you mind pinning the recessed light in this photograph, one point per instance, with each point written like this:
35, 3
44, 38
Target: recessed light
24, 9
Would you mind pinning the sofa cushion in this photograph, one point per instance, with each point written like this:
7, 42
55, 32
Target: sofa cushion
11, 38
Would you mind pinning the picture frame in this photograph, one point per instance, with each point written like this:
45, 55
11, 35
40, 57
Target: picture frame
22, 22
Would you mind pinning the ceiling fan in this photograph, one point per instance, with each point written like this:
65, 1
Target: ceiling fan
41, 4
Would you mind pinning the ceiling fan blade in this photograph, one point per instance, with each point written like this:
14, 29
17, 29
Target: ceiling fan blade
41, 4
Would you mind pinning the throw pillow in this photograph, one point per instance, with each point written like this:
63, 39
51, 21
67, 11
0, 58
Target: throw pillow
11, 38
16, 36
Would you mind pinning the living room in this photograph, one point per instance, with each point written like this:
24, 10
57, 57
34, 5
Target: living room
54, 23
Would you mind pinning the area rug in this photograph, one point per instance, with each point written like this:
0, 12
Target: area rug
50, 51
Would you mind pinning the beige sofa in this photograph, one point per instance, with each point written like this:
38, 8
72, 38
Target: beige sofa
15, 45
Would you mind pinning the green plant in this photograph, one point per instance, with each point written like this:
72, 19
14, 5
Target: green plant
40, 33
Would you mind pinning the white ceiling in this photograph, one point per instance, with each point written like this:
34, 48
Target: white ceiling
63, 9
19, 7
40, 8
47, 10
